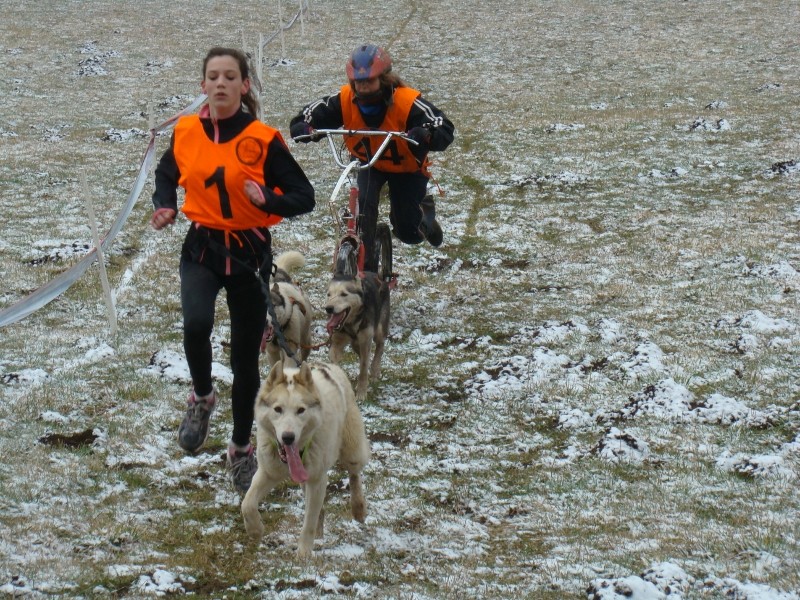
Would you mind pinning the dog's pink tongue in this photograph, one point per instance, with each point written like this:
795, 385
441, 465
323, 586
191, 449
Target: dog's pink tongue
296, 469
334, 322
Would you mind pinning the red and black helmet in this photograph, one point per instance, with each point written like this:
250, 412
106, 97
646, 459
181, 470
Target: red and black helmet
368, 61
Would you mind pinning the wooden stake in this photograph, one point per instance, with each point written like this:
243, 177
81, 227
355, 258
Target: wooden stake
112, 313
151, 123
261, 58
302, 22
280, 25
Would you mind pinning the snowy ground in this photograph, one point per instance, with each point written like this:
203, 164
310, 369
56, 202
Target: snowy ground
591, 389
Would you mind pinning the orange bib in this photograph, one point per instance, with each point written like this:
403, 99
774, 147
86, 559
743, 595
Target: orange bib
213, 174
397, 158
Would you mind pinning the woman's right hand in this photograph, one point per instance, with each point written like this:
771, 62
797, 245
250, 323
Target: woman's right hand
163, 217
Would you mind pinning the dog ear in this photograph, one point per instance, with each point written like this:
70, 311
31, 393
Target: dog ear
304, 376
275, 374
275, 288
285, 360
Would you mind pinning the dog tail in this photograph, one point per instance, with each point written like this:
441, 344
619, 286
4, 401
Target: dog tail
290, 260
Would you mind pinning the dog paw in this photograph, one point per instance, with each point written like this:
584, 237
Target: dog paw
359, 510
256, 533
304, 553
254, 527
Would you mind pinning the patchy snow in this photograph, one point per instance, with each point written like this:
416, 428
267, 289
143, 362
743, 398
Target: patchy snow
622, 446
622, 588
590, 390
172, 365
755, 465
160, 583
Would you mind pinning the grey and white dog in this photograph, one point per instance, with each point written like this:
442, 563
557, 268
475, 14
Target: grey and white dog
358, 313
292, 309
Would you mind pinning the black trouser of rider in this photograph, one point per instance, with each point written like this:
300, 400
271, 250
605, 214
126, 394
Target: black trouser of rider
406, 191
247, 306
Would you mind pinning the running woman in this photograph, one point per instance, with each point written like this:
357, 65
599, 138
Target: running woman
239, 179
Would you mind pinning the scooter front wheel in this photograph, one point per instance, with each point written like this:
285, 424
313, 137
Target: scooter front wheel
383, 251
346, 258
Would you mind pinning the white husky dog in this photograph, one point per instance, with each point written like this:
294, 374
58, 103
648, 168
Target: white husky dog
307, 420
292, 309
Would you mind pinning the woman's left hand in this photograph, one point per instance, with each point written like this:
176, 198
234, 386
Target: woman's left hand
253, 191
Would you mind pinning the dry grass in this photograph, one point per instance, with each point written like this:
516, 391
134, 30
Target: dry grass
473, 493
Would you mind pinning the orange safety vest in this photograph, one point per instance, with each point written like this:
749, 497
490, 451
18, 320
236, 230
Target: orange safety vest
397, 158
213, 174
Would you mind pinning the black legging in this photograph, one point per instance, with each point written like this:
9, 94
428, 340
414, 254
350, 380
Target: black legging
406, 191
248, 309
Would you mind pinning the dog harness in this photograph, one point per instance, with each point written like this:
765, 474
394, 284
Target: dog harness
295, 302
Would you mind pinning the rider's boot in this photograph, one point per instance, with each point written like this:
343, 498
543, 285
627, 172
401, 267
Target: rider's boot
429, 228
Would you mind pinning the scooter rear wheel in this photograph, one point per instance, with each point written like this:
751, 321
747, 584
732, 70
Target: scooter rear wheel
383, 251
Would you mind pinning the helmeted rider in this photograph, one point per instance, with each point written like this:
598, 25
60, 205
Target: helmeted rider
376, 98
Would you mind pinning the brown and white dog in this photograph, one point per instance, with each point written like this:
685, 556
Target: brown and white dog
307, 419
292, 309
358, 313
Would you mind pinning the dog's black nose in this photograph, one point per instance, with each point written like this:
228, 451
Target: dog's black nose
329, 310
288, 439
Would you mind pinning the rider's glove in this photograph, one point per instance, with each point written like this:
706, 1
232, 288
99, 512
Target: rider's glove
302, 128
421, 135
